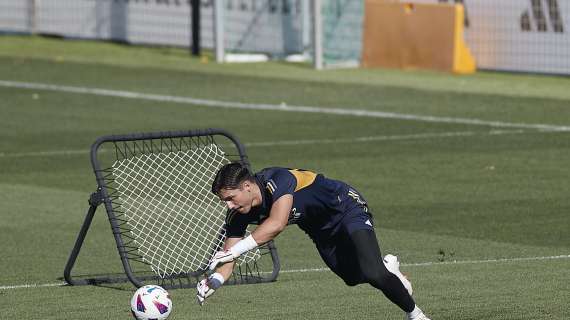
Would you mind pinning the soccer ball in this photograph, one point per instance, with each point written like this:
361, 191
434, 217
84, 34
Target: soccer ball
151, 302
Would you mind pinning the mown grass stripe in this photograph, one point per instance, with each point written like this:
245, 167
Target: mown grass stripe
274, 107
418, 136
419, 264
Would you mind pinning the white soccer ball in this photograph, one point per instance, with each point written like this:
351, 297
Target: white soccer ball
151, 302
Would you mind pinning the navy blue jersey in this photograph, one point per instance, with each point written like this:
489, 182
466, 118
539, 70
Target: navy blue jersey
319, 203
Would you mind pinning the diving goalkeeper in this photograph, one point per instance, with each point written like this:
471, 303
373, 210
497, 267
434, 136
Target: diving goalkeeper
331, 212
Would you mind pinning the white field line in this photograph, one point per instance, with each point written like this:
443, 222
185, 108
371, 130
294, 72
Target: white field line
454, 262
420, 264
33, 285
273, 107
43, 153
417, 136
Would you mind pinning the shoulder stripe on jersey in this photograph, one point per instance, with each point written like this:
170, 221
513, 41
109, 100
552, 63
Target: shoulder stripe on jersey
304, 178
271, 187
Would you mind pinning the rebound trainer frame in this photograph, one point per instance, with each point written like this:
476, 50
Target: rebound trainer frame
166, 223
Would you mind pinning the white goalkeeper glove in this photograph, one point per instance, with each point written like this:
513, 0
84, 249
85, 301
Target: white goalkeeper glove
233, 253
208, 286
221, 257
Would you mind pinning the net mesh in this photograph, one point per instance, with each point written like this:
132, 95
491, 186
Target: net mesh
161, 196
342, 32
272, 27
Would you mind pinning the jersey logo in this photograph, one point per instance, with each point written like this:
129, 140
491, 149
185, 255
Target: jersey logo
356, 196
271, 186
294, 216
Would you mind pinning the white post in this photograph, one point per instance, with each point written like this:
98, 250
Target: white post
33, 16
317, 35
219, 30
307, 26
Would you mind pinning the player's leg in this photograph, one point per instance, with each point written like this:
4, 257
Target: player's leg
340, 257
375, 272
393, 265
358, 227
344, 255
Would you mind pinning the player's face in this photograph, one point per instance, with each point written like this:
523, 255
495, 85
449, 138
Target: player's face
238, 199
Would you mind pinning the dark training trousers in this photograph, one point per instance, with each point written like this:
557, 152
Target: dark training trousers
354, 255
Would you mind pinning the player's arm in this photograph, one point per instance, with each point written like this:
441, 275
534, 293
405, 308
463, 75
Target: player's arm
276, 222
266, 231
223, 272
226, 269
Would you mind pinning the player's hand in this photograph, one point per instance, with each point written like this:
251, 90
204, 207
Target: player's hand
208, 286
203, 291
220, 258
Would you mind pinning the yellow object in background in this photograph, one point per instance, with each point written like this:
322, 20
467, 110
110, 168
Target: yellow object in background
463, 61
415, 36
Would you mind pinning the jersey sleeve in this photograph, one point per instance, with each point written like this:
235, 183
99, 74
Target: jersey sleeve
237, 225
280, 183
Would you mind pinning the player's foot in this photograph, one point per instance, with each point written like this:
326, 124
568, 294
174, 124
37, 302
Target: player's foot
416, 314
393, 265
421, 316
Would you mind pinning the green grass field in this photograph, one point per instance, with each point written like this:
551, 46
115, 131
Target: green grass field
478, 211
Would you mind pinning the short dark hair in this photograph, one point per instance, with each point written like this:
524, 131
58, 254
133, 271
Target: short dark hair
231, 176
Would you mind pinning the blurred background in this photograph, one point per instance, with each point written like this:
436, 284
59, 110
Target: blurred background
511, 35
451, 117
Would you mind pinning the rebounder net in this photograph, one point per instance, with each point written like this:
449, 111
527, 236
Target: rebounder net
166, 221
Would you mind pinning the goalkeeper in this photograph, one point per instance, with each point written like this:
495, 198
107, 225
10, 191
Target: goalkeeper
332, 213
